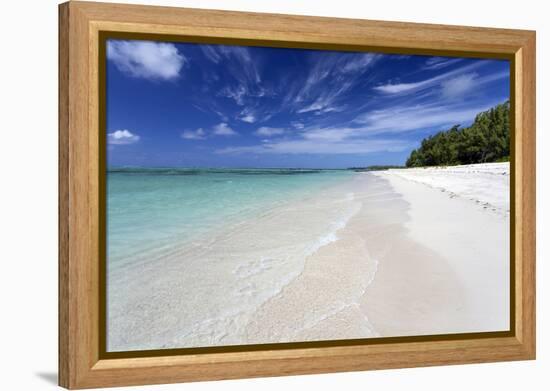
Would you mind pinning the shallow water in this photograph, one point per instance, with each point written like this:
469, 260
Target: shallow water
153, 210
191, 257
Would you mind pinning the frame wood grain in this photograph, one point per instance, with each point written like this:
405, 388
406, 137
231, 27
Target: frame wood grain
80, 24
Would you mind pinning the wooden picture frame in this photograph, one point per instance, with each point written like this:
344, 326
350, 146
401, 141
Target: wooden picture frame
83, 362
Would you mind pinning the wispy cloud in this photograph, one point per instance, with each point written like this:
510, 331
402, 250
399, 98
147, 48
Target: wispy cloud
239, 54
313, 147
237, 93
122, 137
433, 63
145, 59
408, 118
209, 107
325, 103
241, 67
223, 129
458, 86
211, 53
247, 115
266, 131
493, 77
318, 140
359, 63
222, 116
399, 88
321, 90
334, 133
248, 118
329, 79
198, 134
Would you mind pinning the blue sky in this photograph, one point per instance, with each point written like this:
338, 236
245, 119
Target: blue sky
195, 105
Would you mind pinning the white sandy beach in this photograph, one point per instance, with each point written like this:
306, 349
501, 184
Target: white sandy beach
460, 215
389, 253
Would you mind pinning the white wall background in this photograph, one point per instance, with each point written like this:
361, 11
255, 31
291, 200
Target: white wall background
28, 194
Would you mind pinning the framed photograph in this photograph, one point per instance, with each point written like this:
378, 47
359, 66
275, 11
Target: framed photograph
247, 195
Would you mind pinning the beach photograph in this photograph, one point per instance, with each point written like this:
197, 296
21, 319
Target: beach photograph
260, 195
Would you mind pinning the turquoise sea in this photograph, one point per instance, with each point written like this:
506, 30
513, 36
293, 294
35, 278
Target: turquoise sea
152, 211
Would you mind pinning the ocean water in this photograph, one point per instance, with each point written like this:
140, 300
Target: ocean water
201, 258
194, 254
151, 212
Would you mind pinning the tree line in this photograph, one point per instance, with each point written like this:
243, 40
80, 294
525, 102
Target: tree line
486, 140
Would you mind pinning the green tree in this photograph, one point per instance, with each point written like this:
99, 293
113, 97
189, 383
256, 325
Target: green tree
486, 140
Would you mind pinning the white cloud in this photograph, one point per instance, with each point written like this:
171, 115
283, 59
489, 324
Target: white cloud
122, 137
297, 125
210, 108
266, 117
248, 118
402, 119
248, 115
266, 131
237, 93
403, 87
325, 102
238, 62
329, 140
318, 105
223, 129
329, 78
398, 88
216, 53
222, 116
247, 71
440, 62
461, 85
321, 147
198, 134
145, 59
458, 86
492, 77
360, 62
333, 134
211, 53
